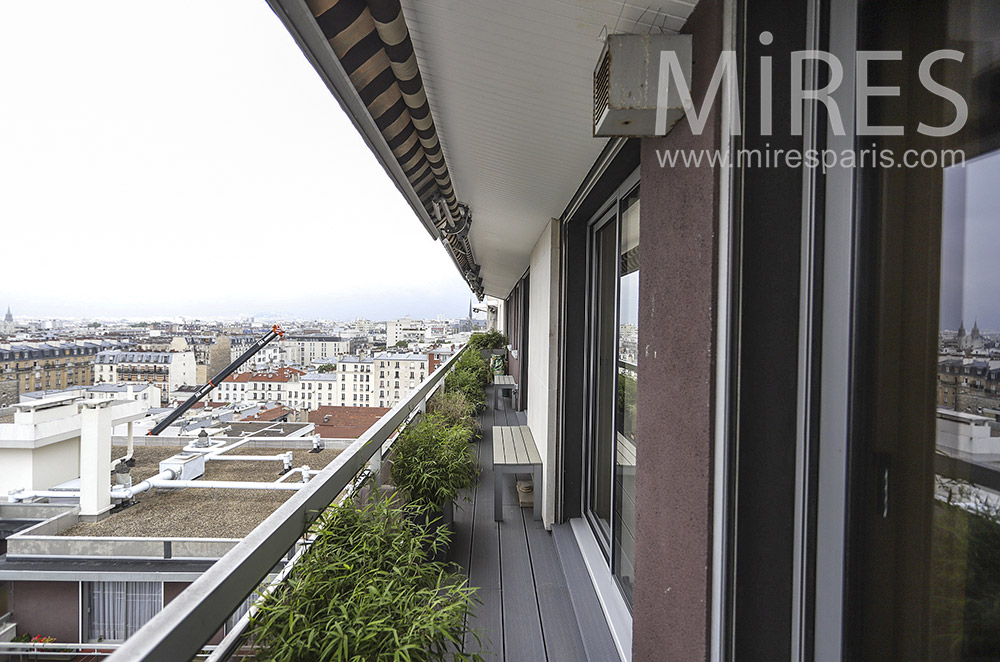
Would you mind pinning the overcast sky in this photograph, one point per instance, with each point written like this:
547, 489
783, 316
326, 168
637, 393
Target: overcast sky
183, 158
970, 266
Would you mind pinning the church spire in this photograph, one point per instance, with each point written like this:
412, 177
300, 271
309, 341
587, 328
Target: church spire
8, 317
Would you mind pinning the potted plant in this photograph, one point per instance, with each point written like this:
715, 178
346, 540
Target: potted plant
367, 589
457, 408
470, 377
488, 343
432, 462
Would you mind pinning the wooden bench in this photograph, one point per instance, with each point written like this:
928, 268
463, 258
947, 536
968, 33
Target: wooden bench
514, 451
501, 382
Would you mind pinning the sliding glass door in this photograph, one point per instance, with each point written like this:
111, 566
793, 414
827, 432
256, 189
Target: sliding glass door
613, 382
925, 546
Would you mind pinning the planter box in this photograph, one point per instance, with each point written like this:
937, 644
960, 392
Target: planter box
487, 353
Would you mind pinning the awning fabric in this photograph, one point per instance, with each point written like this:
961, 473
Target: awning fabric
371, 40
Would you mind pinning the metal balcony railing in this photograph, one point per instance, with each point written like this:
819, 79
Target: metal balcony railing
191, 619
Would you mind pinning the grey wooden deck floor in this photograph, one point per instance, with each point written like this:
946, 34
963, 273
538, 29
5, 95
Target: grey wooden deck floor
533, 598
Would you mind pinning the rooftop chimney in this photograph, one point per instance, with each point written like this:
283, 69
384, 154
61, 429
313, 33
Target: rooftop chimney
95, 459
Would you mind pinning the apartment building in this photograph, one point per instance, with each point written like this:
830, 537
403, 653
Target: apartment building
45, 366
132, 391
211, 355
404, 330
272, 355
277, 385
970, 385
8, 391
211, 352
397, 375
165, 370
307, 349
348, 384
438, 355
380, 380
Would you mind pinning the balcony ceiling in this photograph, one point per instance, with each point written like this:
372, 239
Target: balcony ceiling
510, 87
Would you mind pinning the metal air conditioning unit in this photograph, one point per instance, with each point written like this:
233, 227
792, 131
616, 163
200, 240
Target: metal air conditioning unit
626, 83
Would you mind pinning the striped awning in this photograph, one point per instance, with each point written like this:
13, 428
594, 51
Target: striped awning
371, 40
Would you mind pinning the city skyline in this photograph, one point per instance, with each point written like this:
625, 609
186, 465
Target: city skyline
258, 316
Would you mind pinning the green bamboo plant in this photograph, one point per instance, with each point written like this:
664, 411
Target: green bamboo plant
368, 591
469, 378
432, 461
457, 408
487, 340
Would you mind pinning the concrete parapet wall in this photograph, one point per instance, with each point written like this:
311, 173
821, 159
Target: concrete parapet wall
57, 522
32, 510
152, 548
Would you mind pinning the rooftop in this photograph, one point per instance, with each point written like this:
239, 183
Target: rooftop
281, 375
400, 356
119, 388
264, 429
354, 359
319, 377
200, 512
345, 422
272, 414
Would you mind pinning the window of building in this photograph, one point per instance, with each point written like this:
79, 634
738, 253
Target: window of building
614, 341
115, 611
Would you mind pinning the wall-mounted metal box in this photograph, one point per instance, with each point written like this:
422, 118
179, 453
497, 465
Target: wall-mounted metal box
626, 83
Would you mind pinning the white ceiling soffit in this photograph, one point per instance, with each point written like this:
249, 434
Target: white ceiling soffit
510, 88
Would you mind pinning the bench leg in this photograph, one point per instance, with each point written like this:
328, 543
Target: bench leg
498, 496
536, 495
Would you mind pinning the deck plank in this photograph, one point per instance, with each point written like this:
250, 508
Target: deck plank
560, 631
532, 604
484, 621
465, 507
522, 630
484, 571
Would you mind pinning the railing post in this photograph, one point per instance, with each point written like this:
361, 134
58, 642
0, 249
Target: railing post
375, 464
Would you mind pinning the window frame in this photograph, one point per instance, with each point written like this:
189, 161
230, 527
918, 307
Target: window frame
610, 211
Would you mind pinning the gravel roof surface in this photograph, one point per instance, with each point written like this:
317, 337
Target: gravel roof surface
200, 512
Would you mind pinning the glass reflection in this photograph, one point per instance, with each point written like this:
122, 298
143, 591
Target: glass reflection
965, 581
625, 400
600, 463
